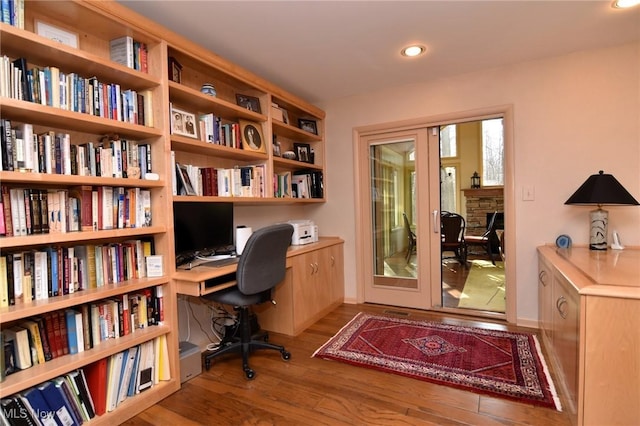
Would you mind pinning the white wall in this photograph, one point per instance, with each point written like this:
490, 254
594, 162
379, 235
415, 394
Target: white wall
573, 115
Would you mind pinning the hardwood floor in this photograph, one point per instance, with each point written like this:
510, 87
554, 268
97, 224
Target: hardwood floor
311, 391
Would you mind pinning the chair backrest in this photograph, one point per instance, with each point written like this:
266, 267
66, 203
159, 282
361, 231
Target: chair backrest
407, 227
262, 264
491, 227
453, 226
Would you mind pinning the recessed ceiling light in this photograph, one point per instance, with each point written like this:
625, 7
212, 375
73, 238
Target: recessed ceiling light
413, 50
623, 4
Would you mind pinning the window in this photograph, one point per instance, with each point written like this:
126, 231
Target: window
448, 142
492, 152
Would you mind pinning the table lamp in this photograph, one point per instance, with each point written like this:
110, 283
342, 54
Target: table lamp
601, 189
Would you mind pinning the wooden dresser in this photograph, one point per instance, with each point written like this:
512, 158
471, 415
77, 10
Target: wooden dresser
589, 314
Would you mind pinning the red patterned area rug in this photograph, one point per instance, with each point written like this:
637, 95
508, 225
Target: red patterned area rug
498, 363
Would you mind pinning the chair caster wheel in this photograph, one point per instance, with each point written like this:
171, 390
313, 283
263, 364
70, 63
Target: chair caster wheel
207, 364
286, 355
249, 373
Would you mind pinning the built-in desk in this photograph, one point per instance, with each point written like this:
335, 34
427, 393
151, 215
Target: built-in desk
313, 286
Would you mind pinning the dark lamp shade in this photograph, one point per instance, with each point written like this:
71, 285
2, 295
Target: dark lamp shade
602, 189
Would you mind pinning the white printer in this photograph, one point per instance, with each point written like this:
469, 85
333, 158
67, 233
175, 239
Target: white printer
304, 232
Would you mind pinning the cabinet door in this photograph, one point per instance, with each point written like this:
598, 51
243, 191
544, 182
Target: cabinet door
545, 301
566, 332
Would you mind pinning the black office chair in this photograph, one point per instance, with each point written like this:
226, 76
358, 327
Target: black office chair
260, 268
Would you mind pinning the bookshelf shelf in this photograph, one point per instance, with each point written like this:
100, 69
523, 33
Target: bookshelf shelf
80, 236
291, 132
37, 307
46, 179
195, 146
61, 365
183, 95
43, 115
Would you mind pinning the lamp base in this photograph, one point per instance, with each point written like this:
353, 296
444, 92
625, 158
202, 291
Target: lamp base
598, 236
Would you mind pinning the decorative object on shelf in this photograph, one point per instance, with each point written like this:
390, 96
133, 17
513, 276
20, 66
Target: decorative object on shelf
601, 189
175, 70
252, 139
56, 34
277, 149
475, 181
249, 102
616, 244
303, 152
563, 241
183, 123
285, 116
308, 125
182, 173
209, 89
289, 155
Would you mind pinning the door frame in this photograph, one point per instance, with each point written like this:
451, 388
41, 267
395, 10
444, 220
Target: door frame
361, 165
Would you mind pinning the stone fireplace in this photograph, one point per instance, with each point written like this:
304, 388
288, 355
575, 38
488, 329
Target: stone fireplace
481, 203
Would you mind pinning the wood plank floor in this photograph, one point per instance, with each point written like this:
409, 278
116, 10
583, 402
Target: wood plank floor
311, 391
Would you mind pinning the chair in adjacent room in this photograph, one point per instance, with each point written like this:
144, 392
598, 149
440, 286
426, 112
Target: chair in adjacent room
453, 239
411, 238
260, 268
488, 240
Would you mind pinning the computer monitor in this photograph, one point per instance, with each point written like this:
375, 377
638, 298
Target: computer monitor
202, 228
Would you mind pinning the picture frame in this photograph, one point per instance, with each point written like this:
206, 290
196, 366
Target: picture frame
249, 102
183, 123
56, 34
277, 149
183, 177
308, 125
175, 70
303, 152
252, 139
285, 116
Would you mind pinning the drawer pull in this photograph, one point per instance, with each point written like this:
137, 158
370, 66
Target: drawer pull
542, 277
561, 305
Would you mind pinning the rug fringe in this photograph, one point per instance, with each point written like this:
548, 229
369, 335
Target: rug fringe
335, 335
547, 373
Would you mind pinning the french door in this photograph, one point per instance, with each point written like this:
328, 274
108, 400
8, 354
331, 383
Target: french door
397, 220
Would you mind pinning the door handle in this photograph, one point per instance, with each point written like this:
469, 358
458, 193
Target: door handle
436, 225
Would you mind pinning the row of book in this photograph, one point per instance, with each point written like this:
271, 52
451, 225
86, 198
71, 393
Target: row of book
22, 149
298, 185
12, 12
213, 130
39, 339
27, 211
70, 91
98, 388
239, 181
41, 274
129, 52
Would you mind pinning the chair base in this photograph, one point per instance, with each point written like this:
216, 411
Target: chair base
246, 344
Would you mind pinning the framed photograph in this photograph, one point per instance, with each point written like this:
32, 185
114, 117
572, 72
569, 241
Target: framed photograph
285, 116
252, 139
308, 125
303, 152
183, 123
277, 149
249, 102
175, 70
183, 177
57, 34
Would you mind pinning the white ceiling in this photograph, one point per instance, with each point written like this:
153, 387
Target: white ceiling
323, 50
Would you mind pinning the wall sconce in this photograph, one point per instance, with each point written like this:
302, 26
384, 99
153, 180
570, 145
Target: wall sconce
601, 189
475, 181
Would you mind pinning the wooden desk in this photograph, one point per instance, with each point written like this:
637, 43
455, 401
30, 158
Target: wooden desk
313, 285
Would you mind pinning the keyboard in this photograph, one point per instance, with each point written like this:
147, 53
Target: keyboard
221, 262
